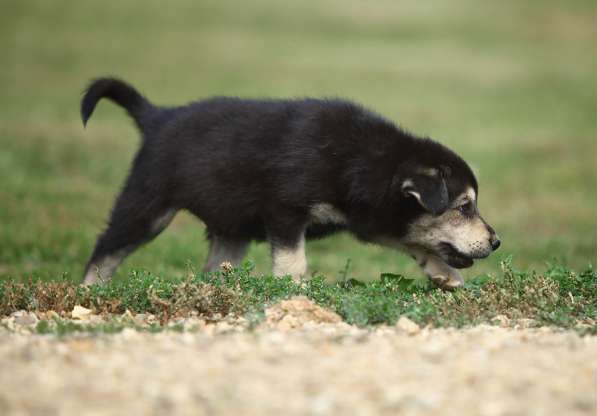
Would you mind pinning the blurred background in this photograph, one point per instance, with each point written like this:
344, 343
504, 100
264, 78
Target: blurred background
509, 85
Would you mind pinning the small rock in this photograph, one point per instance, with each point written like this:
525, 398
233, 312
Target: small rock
406, 325
140, 318
25, 318
79, 312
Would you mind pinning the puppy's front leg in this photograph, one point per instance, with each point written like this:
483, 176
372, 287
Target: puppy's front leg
440, 273
289, 258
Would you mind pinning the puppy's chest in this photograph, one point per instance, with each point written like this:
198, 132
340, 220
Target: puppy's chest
324, 213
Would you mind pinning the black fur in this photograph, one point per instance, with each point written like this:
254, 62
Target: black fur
251, 169
118, 92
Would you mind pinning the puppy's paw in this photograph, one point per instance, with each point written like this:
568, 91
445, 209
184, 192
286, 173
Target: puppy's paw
447, 282
91, 278
301, 280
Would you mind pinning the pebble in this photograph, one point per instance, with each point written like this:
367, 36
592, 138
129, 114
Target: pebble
81, 313
24, 318
406, 325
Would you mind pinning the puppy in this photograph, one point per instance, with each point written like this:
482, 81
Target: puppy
285, 171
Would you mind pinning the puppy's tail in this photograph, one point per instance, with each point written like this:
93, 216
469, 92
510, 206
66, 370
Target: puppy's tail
117, 91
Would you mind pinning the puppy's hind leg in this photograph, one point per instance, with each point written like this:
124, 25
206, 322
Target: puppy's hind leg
135, 220
223, 249
440, 273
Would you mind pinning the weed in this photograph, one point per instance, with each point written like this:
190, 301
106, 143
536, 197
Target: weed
43, 327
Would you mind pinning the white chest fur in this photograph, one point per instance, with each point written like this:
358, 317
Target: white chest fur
324, 213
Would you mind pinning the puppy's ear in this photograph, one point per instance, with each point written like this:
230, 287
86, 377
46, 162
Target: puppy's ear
430, 192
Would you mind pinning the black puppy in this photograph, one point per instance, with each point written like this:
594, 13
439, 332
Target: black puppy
286, 170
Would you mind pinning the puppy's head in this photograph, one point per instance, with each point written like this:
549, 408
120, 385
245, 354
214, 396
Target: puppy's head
442, 190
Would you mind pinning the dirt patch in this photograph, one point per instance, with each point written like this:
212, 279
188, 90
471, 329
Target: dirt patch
298, 312
302, 360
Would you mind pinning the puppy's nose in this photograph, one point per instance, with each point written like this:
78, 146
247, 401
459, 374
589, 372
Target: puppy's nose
495, 242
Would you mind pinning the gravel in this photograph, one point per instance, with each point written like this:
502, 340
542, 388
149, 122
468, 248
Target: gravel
300, 367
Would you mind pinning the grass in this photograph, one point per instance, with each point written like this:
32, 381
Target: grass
509, 86
559, 297
62, 327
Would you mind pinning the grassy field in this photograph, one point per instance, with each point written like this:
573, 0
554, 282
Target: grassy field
508, 85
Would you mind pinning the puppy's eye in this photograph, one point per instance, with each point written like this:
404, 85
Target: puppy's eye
466, 208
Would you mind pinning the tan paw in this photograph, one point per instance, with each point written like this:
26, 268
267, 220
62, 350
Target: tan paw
447, 283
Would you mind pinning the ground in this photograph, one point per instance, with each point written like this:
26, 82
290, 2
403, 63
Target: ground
301, 360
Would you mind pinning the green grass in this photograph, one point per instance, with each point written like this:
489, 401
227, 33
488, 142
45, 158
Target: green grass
559, 297
510, 86
63, 327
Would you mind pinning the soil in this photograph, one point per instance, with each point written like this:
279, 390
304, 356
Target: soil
301, 360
